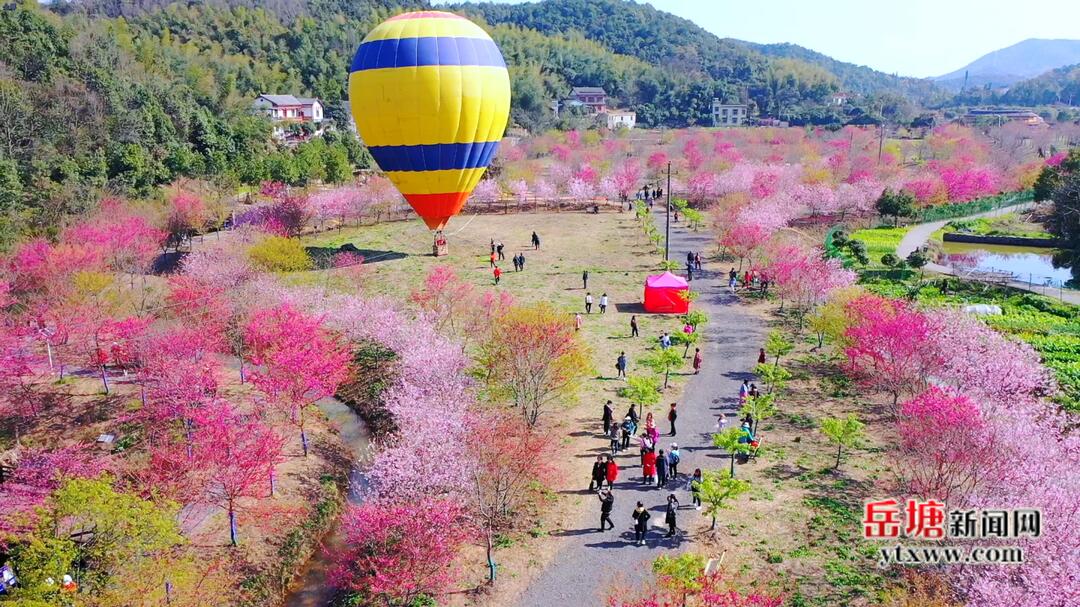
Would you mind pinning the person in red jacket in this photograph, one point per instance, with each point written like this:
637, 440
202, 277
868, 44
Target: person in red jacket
648, 467
498, 274
612, 472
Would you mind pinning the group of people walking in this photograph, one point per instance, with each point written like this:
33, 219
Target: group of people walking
658, 468
498, 254
589, 303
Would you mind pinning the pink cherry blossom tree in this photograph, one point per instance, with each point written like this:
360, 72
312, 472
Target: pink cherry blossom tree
626, 177
579, 189
488, 190
945, 448
299, 362
236, 455
396, 552
888, 348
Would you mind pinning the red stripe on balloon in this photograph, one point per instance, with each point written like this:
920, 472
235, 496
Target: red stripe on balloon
425, 15
437, 209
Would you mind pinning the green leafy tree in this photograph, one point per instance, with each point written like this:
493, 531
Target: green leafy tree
843, 432
1047, 182
717, 489
857, 248
896, 204
777, 346
695, 318
280, 254
336, 164
681, 574
918, 260
759, 407
728, 440
687, 340
662, 362
889, 260
774, 377
641, 390
90, 529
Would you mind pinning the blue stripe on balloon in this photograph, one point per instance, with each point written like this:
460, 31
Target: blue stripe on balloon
414, 52
436, 157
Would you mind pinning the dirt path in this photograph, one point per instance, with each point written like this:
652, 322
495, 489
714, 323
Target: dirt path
588, 561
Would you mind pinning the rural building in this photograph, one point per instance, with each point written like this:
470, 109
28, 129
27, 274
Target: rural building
283, 108
615, 119
729, 114
841, 98
1003, 115
592, 97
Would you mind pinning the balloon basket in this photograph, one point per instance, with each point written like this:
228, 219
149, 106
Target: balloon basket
439, 248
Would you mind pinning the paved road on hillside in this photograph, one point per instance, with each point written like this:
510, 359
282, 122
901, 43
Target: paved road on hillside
919, 234
588, 561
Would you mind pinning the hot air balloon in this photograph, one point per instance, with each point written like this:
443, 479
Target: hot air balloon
430, 95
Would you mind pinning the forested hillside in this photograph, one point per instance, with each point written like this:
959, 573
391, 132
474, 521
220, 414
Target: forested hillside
1056, 86
784, 81
127, 95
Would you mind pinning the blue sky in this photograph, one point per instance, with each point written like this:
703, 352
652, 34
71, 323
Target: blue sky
909, 37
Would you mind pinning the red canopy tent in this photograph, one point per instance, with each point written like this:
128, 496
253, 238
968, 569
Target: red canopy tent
662, 294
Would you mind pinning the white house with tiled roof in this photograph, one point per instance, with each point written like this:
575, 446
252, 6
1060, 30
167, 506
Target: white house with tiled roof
283, 108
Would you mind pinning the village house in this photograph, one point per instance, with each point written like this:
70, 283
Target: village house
729, 114
615, 119
593, 98
284, 108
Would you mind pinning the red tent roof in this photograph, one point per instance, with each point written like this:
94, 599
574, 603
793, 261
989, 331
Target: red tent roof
667, 280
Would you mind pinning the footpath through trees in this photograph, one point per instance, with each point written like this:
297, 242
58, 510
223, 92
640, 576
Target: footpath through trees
589, 561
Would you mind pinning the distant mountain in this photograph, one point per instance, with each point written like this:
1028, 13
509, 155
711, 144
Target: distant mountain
1014, 63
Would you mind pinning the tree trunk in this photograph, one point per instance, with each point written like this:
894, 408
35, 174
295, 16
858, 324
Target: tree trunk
838, 448
713, 526
303, 434
732, 464
666, 375
490, 559
104, 379
233, 531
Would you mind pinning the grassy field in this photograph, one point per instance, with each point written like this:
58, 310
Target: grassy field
1009, 224
879, 241
610, 246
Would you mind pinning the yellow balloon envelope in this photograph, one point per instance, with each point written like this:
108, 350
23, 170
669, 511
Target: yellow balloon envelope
430, 95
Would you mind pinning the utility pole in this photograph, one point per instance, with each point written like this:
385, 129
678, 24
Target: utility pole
667, 215
881, 139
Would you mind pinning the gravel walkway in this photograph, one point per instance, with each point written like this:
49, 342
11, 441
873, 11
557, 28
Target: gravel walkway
588, 561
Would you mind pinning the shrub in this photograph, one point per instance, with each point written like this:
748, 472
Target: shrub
280, 254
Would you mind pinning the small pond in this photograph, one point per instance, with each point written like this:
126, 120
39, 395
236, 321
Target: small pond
1024, 263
